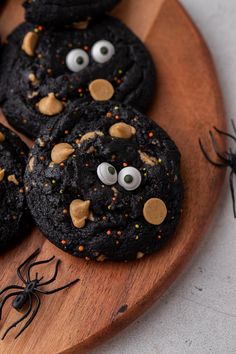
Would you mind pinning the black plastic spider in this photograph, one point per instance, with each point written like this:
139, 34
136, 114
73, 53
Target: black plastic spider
30, 291
227, 159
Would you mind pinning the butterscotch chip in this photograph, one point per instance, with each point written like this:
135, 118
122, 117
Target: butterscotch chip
61, 152
147, 159
101, 90
155, 211
79, 212
2, 174
12, 179
50, 105
122, 131
29, 44
90, 135
2, 137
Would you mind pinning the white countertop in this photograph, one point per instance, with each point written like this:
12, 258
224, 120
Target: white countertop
198, 314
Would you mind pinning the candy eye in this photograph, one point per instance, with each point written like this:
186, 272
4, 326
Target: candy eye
129, 178
102, 51
107, 173
77, 60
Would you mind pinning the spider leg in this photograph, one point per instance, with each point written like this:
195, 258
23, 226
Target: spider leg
207, 157
216, 149
33, 255
11, 287
58, 289
232, 192
233, 125
35, 264
21, 319
2, 303
54, 276
224, 133
34, 313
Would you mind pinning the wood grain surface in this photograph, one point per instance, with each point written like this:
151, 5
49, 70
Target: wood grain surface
110, 295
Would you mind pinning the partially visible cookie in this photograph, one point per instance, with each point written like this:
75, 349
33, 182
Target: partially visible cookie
62, 12
13, 155
43, 73
104, 183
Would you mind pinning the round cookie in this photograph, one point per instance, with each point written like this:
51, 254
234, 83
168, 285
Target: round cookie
62, 12
13, 156
43, 73
104, 183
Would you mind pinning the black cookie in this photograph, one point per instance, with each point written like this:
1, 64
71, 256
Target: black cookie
105, 183
13, 156
61, 12
68, 63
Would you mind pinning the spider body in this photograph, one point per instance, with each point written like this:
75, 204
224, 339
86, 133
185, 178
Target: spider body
29, 294
226, 159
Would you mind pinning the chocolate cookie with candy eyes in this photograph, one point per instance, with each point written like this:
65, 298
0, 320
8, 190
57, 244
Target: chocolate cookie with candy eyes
44, 73
62, 12
104, 183
13, 156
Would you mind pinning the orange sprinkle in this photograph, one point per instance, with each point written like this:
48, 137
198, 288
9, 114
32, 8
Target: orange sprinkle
63, 242
81, 248
125, 164
150, 134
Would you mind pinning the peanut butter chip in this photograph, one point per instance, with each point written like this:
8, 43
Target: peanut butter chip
30, 43
122, 130
101, 90
50, 105
79, 212
140, 255
61, 152
2, 174
147, 159
12, 178
155, 211
31, 164
33, 79
2, 137
90, 135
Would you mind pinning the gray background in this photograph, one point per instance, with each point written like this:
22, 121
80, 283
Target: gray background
198, 314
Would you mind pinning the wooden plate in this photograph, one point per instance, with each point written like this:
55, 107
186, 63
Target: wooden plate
187, 104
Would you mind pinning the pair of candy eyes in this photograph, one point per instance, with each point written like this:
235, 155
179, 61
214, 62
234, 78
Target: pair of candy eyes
77, 59
129, 177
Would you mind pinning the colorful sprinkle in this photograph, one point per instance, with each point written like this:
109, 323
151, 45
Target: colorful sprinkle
150, 134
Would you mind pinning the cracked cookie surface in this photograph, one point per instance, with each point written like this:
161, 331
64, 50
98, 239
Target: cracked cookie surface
104, 183
59, 12
13, 156
45, 72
